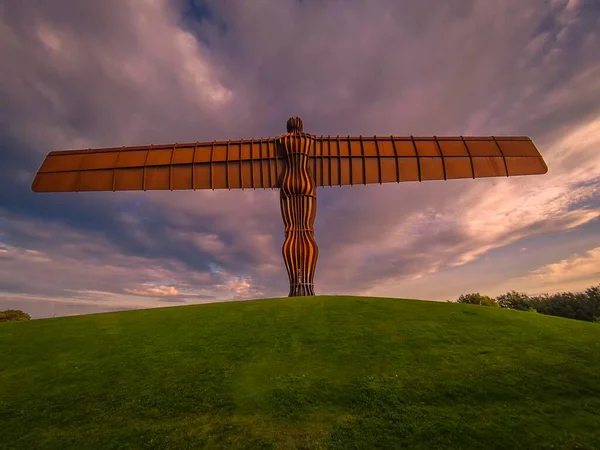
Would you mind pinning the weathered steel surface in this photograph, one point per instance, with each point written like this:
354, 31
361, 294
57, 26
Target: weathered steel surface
199, 165
259, 163
365, 160
296, 163
298, 196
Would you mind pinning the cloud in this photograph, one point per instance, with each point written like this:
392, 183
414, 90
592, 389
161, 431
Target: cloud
126, 73
9, 254
101, 270
585, 265
153, 291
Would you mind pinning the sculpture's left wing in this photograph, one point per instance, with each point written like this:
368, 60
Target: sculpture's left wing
338, 161
245, 164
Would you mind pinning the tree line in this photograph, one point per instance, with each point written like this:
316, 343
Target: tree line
579, 305
11, 315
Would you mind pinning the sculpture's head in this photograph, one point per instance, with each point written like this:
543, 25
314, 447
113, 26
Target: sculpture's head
294, 125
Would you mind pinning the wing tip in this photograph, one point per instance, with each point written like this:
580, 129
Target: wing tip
34, 185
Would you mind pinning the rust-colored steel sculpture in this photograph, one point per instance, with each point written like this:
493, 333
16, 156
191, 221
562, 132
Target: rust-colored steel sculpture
298, 195
296, 163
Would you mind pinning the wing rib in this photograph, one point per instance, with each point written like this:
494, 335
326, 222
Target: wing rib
197, 165
398, 159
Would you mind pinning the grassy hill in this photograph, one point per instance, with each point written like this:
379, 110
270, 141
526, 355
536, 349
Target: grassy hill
313, 372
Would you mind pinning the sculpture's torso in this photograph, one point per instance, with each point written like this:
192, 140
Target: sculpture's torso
297, 179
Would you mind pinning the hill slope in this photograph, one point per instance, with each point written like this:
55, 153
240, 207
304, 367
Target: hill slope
316, 372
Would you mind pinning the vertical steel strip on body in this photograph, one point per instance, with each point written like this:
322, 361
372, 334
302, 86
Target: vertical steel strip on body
313, 158
296, 143
322, 163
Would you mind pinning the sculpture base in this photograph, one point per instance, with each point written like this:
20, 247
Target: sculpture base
302, 290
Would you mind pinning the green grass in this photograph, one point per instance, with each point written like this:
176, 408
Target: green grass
313, 372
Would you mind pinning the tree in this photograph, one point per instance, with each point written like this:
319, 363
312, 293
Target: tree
593, 295
516, 300
477, 299
579, 305
13, 315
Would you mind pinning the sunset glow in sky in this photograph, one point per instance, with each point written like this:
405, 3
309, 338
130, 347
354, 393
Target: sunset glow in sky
83, 73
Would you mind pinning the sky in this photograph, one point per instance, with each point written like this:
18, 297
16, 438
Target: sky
84, 74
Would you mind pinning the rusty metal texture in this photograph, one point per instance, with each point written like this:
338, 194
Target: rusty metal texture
296, 163
298, 197
339, 161
201, 165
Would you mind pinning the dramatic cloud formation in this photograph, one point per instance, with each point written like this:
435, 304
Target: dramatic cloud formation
95, 74
572, 269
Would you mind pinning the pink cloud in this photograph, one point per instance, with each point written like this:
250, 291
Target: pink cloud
77, 82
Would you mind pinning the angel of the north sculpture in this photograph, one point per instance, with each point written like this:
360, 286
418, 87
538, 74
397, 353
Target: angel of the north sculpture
296, 163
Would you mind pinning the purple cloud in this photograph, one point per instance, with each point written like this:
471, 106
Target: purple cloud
125, 73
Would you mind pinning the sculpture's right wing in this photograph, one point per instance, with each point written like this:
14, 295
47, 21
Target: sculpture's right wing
338, 161
255, 163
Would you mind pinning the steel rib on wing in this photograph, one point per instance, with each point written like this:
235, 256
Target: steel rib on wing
364, 160
248, 164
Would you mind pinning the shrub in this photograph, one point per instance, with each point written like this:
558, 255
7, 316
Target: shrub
516, 300
593, 295
580, 305
477, 299
9, 315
